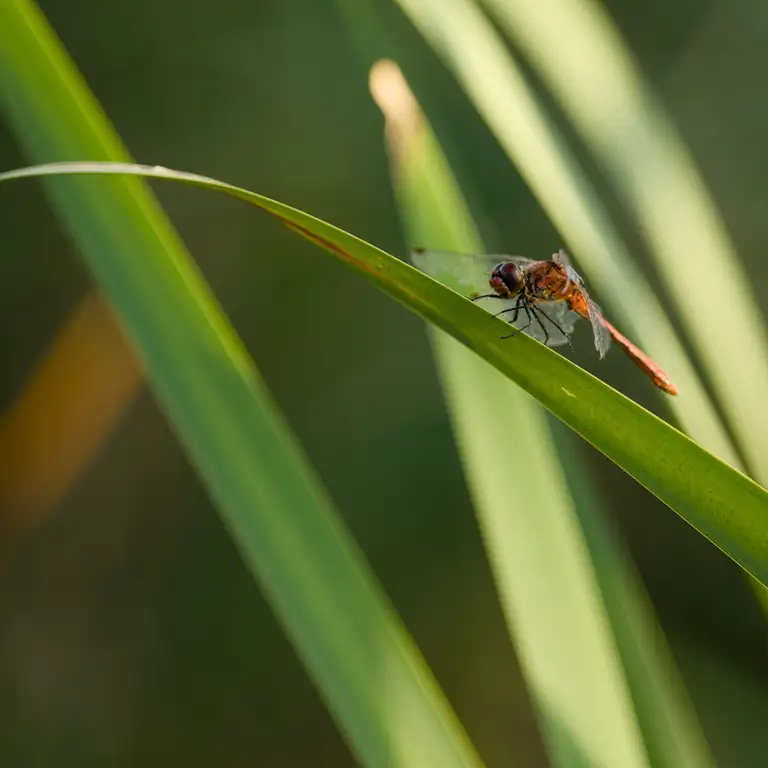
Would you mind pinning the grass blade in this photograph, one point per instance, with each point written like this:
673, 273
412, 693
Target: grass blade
721, 503
376, 685
582, 627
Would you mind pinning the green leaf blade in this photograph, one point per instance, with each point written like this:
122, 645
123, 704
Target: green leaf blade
377, 687
721, 503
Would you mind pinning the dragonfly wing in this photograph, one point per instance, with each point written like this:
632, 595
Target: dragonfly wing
556, 325
466, 273
549, 322
573, 275
601, 333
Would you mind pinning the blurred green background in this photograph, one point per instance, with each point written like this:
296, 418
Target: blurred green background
130, 634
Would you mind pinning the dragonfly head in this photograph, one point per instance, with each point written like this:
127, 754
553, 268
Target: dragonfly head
507, 279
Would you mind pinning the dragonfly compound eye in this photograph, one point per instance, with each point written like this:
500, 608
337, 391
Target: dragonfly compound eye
507, 278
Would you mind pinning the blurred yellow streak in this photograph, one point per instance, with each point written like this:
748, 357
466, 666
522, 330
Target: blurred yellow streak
84, 383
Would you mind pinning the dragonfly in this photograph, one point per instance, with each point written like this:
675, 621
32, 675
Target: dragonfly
543, 299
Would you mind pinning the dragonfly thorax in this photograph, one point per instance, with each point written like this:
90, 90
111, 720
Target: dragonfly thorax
507, 279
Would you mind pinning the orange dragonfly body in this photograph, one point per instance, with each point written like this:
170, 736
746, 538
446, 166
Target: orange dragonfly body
549, 295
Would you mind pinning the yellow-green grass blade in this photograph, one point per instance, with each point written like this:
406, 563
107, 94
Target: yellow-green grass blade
600, 674
367, 668
581, 56
721, 503
468, 44
672, 733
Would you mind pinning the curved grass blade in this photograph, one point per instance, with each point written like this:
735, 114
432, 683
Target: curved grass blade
365, 665
583, 628
471, 48
596, 80
721, 503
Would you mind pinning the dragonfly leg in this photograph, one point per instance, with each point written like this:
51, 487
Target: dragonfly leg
541, 325
516, 309
487, 296
557, 325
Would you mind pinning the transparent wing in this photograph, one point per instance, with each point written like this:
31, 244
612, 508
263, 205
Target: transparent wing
573, 275
466, 273
554, 328
550, 322
601, 333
